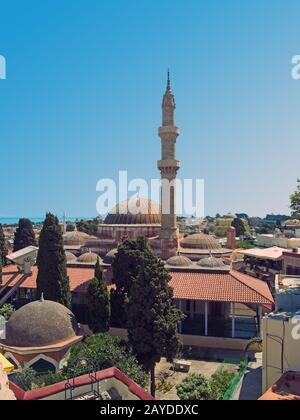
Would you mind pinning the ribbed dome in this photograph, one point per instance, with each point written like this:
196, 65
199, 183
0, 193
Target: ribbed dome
135, 211
200, 241
39, 324
179, 261
89, 258
109, 257
211, 262
75, 238
70, 257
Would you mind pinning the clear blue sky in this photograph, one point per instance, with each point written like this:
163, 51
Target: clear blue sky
83, 94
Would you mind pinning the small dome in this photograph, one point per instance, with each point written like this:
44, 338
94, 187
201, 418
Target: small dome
211, 262
135, 211
89, 258
70, 257
39, 324
75, 238
179, 261
201, 241
109, 257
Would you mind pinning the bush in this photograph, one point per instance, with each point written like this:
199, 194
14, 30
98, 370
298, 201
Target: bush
29, 379
219, 383
103, 351
197, 387
6, 311
194, 387
26, 379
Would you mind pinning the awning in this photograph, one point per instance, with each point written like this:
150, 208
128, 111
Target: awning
8, 367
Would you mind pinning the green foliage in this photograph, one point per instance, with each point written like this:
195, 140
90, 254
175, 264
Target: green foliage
98, 302
219, 383
197, 387
103, 351
24, 235
245, 244
241, 226
126, 267
3, 249
152, 317
29, 379
295, 202
194, 387
221, 228
89, 226
52, 278
6, 311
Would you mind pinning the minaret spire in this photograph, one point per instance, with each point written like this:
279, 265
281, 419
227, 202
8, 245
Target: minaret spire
169, 82
168, 166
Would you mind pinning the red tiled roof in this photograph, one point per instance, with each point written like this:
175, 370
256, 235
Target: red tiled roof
287, 388
79, 278
222, 287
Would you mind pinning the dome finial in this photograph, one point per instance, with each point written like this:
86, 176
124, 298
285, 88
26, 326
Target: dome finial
42, 298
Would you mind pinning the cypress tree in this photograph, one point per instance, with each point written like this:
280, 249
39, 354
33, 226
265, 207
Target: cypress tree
152, 317
52, 279
125, 269
24, 235
3, 249
98, 303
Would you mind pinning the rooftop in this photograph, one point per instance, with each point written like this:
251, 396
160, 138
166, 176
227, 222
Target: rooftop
274, 253
221, 287
106, 380
287, 388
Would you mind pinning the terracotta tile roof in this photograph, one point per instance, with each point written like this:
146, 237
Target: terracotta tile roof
287, 388
220, 287
217, 287
79, 278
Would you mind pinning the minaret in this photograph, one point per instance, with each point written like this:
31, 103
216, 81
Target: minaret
168, 166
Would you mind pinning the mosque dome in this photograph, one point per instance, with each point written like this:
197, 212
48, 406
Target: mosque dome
135, 211
201, 241
75, 238
211, 262
179, 261
88, 258
109, 257
40, 324
70, 257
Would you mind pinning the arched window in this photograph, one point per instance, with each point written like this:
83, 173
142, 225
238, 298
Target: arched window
43, 366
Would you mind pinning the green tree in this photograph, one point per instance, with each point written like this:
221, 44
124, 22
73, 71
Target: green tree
102, 351
6, 311
125, 269
24, 235
295, 202
240, 226
194, 387
52, 279
98, 302
152, 317
3, 249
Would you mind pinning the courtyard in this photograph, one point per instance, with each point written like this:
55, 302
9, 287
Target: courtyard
167, 378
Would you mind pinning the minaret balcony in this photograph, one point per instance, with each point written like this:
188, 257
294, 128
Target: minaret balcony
168, 164
168, 130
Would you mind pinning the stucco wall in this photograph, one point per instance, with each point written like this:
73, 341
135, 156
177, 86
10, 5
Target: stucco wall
280, 352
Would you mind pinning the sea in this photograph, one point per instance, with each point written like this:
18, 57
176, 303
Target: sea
15, 220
